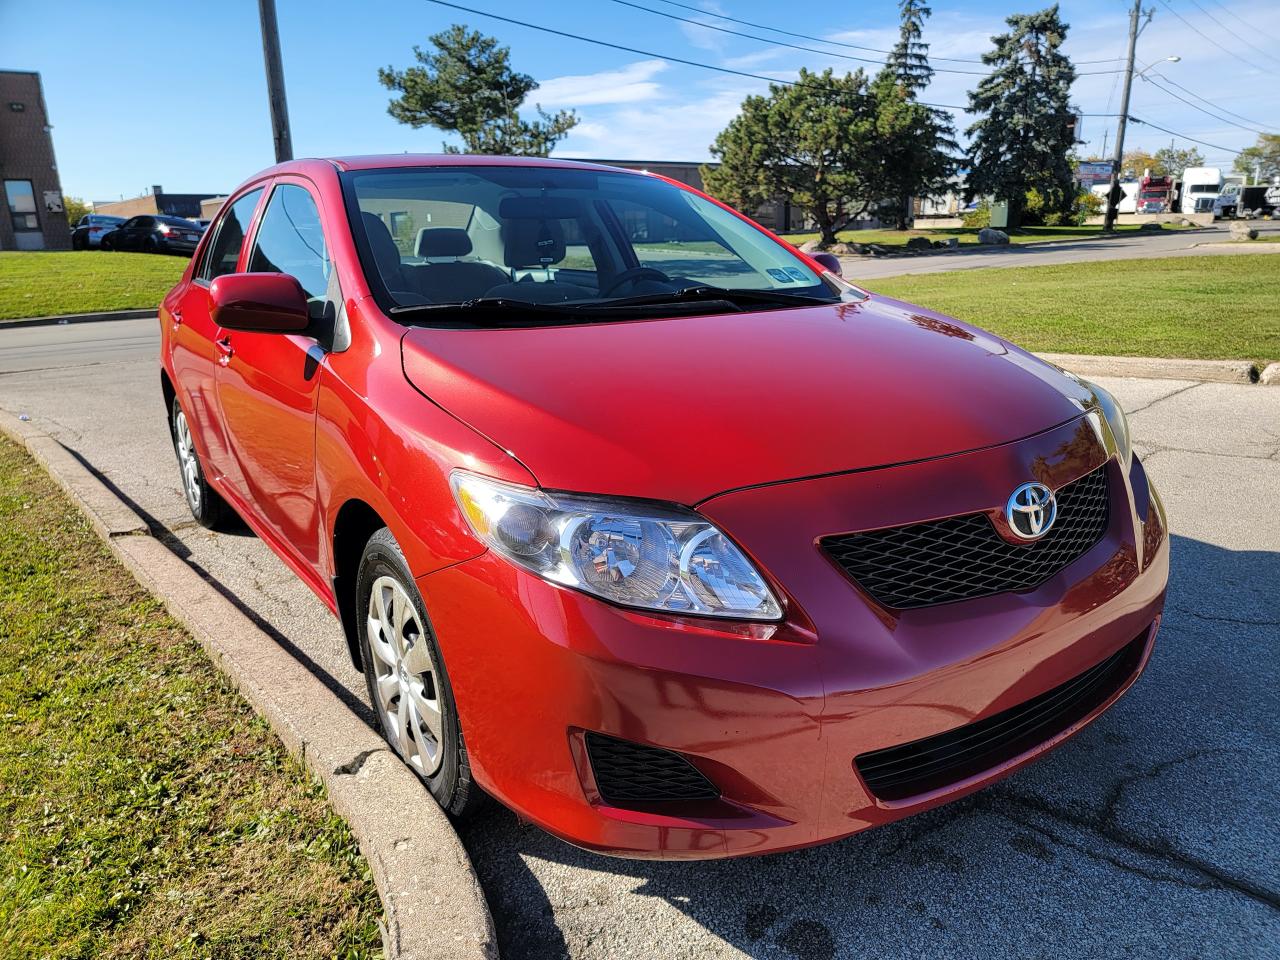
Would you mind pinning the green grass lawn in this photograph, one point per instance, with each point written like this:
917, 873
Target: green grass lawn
145, 810
87, 281
966, 235
1220, 307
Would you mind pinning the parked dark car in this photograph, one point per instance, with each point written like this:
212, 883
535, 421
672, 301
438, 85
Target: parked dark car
154, 234
92, 227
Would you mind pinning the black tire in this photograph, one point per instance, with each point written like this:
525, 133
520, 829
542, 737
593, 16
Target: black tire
106, 245
208, 509
451, 783
151, 245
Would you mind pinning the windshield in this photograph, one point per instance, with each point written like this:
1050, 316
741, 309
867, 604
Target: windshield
554, 236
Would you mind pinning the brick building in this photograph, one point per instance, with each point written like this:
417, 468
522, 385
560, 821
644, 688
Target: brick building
155, 202
31, 209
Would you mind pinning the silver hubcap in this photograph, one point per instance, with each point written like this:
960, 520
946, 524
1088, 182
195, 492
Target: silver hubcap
187, 461
404, 677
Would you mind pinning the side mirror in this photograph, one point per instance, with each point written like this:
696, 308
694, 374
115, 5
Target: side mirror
259, 303
829, 261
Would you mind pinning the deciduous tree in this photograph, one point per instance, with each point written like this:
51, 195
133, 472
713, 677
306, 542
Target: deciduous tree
1024, 134
1170, 162
465, 85
1265, 155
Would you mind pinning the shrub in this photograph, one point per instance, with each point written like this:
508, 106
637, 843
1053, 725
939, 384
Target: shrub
980, 216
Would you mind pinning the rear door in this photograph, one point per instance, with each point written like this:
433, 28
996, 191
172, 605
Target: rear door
267, 382
192, 333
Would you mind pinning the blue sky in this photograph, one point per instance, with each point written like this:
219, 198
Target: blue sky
173, 93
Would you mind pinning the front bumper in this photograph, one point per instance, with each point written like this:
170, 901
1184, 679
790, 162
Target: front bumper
775, 715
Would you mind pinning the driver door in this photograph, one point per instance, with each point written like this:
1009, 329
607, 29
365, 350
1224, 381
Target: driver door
266, 383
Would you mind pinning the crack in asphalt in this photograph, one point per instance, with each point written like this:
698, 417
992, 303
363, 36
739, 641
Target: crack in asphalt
1154, 448
1105, 826
1168, 396
1241, 621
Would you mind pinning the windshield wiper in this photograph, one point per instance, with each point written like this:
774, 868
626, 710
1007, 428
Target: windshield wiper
481, 304
708, 292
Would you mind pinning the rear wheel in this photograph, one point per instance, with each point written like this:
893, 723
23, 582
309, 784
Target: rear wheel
408, 687
208, 509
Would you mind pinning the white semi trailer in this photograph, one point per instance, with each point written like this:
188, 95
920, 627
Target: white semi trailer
1200, 188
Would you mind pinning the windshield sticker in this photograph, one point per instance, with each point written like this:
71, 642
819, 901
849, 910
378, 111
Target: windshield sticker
782, 276
795, 273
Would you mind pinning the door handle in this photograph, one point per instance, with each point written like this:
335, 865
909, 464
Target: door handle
225, 348
176, 313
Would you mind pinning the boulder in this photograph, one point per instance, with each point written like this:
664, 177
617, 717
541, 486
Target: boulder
919, 243
1242, 231
812, 246
951, 243
939, 244
992, 237
1152, 226
1184, 222
843, 249
876, 250
860, 249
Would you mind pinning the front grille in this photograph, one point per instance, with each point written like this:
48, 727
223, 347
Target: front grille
961, 558
909, 769
628, 773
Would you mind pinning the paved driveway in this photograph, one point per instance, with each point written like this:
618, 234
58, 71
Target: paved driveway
1125, 246
1152, 834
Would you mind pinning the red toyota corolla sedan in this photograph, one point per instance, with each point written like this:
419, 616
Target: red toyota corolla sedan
643, 522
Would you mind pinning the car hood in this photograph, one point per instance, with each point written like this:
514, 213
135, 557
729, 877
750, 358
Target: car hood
682, 409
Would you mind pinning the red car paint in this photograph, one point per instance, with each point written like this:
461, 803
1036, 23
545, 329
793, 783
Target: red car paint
809, 421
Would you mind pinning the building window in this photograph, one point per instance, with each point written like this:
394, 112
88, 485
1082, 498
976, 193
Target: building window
17, 107
22, 204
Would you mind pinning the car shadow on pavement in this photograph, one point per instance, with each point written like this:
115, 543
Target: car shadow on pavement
1146, 830
234, 526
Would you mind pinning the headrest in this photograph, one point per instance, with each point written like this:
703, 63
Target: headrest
532, 243
443, 242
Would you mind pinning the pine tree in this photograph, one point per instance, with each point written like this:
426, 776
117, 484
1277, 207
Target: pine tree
909, 59
1024, 135
919, 140
466, 86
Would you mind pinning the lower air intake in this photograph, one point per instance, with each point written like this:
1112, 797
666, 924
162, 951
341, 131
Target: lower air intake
628, 773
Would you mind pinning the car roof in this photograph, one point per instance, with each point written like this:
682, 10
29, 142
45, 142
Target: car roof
392, 160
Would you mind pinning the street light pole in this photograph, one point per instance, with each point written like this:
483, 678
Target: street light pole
275, 81
1109, 222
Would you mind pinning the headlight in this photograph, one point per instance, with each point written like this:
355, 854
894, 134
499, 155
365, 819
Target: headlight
1109, 407
638, 555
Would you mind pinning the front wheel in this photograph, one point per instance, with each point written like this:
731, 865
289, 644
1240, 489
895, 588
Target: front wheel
406, 679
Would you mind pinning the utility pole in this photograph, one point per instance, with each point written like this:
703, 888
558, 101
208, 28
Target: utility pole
275, 80
1112, 208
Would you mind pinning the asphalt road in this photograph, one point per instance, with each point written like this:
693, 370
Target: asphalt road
1151, 834
1124, 246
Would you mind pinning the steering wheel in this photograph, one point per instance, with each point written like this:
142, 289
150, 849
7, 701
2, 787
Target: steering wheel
632, 275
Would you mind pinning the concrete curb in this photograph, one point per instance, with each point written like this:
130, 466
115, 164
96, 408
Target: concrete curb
1217, 371
79, 318
1271, 375
898, 253
434, 908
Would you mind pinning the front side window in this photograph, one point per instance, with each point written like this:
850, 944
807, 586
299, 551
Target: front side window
290, 240
21, 197
551, 235
222, 254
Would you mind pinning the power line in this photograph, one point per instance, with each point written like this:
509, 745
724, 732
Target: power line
1228, 29
647, 53
1183, 136
823, 53
1230, 53
1216, 106
837, 43
777, 43
1193, 106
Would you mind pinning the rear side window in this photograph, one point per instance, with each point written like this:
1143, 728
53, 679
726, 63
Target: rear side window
221, 255
290, 240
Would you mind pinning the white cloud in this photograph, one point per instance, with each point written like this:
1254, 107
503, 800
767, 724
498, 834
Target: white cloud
631, 84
